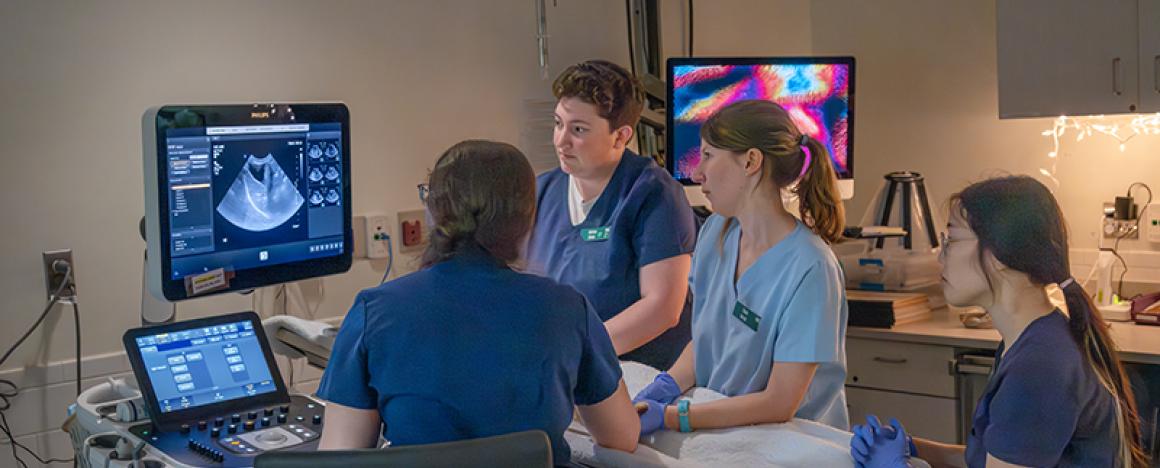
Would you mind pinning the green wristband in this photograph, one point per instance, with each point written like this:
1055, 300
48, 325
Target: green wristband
683, 416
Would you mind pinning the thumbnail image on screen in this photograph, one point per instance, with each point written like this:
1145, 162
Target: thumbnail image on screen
816, 96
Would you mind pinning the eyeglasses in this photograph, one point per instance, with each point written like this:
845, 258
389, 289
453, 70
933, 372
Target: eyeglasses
946, 240
424, 191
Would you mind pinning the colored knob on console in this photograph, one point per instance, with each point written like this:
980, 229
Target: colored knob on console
235, 417
281, 418
266, 421
201, 425
249, 425
215, 432
219, 421
232, 428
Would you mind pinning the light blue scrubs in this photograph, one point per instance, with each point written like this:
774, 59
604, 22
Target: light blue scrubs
789, 306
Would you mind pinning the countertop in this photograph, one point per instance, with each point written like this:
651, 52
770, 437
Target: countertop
1137, 343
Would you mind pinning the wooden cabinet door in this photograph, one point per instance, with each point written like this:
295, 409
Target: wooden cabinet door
1067, 57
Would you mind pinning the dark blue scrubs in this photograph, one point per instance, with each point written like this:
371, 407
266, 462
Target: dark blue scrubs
641, 217
1043, 405
469, 348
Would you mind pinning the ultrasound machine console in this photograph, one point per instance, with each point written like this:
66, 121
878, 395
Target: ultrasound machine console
212, 389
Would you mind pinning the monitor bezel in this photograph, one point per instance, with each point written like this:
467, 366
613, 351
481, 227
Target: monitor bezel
173, 419
212, 115
672, 63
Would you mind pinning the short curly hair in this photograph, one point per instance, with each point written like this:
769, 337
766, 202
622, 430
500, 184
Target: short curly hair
617, 95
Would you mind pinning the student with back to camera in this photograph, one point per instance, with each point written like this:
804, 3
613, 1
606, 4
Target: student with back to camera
467, 347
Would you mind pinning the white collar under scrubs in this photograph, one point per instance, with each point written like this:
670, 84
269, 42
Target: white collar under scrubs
789, 306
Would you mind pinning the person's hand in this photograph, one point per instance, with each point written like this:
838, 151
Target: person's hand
878, 446
653, 418
663, 389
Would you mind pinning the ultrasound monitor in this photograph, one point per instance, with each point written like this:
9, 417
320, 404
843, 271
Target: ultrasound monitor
818, 93
242, 196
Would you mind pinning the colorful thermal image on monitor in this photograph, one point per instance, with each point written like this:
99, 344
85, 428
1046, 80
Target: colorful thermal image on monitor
816, 96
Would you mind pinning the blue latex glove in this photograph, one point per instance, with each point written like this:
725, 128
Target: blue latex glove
653, 419
873, 441
663, 389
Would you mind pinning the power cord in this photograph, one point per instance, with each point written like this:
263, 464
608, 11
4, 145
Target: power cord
390, 260
631, 52
7, 396
1136, 228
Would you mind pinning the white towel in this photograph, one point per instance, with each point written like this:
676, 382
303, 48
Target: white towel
319, 333
796, 443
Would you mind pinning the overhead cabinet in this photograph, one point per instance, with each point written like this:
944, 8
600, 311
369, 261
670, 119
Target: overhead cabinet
1078, 57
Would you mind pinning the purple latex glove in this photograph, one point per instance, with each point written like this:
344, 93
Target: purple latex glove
875, 445
663, 389
652, 419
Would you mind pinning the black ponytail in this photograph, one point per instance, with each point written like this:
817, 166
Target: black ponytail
1018, 220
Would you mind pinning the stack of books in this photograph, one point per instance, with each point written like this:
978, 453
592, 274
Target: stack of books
886, 309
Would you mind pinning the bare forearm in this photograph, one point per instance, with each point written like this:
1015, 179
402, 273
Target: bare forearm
643, 321
941, 455
684, 370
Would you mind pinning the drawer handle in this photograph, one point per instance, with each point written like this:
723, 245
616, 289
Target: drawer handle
1117, 89
1156, 73
890, 360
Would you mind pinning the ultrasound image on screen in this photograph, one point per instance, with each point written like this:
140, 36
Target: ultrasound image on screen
259, 192
261, 197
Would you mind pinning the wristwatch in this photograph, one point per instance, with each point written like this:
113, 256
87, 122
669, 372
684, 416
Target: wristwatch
683, 416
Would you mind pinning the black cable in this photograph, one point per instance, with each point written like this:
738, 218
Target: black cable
11, 438
1116, 245
6, 429
631, 50
690, 28
5, 397
77, 324
53, 299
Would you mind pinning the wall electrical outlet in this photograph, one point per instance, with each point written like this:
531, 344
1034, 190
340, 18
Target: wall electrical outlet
1150, 224
1119, 228
378, 234
53, 278
413, 230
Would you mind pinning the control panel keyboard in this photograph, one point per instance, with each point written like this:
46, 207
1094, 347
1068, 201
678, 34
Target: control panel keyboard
234, 439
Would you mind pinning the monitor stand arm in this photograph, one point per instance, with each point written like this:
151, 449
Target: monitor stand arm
154, 311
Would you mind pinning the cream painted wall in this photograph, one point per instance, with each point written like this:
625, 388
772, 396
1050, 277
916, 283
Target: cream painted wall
927, 101
417, 75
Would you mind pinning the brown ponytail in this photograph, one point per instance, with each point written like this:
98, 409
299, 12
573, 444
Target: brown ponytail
817, 191
1018, 220
482, 195
767, 127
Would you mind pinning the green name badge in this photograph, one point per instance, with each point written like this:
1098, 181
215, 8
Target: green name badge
596, 234
746, 316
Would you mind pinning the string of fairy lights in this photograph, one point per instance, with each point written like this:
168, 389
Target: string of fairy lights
1120, 130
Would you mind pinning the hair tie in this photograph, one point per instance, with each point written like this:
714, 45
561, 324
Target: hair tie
1067, 282
805, 149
